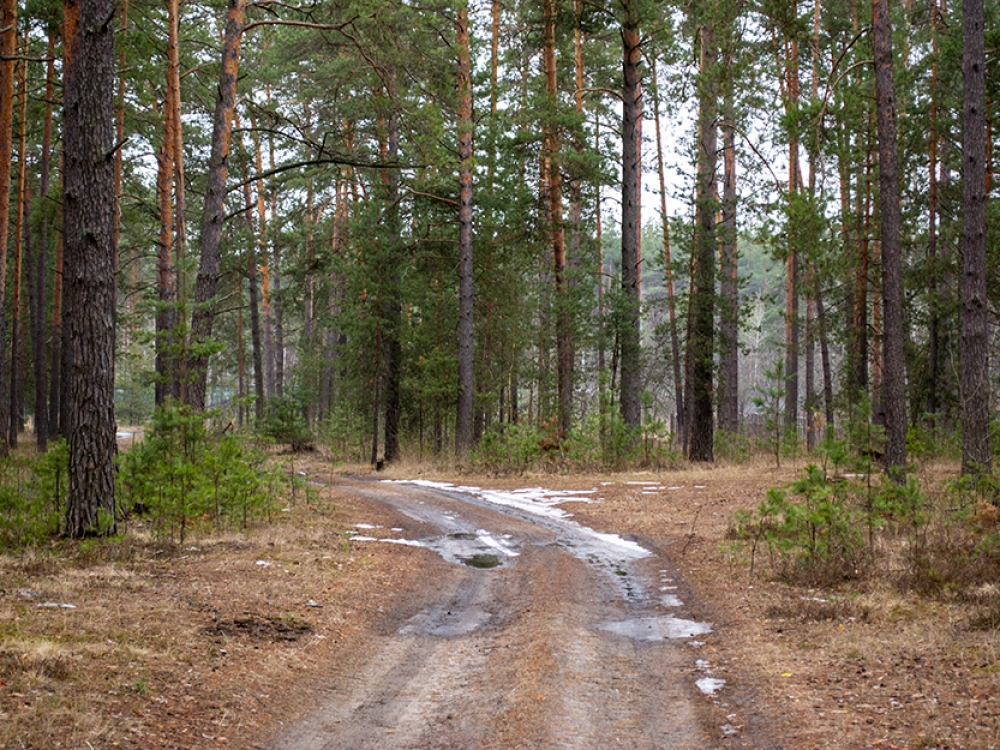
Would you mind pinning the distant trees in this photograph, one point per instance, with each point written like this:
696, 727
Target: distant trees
348, 274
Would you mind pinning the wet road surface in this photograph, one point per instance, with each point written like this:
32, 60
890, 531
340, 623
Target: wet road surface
531, 631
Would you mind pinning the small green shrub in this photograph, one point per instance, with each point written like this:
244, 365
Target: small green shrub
285, 423
180, 477
32, 497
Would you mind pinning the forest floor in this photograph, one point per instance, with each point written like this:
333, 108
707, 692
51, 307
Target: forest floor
297, 636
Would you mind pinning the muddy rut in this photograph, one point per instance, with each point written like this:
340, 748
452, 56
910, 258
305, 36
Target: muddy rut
528, 631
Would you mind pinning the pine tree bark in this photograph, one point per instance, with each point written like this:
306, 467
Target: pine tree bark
8, 54
89, 218
466, 342
792, 87
43, 423
894, 375
628, 330
668, 262
975, 385
17, 319
701, 327
209, 270
729, 359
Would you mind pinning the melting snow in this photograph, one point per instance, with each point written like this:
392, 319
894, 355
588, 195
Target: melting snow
710, 685
657, 628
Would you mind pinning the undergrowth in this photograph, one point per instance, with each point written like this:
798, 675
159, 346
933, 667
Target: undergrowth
828, 528
182, 478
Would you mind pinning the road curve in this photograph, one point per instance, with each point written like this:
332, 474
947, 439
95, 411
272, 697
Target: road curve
566, 642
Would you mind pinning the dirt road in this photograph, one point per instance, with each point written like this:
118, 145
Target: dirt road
528, 631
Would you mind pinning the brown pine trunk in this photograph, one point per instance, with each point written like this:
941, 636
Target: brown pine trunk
264, 261
167, 377
43, 422
933, 380
553, 170
466, 343
628, 331
16, 338
792, 270
729, 361
668, 263
894, 383
8, 53
252, 302
975, 385
209, 270
701, 336
89, 205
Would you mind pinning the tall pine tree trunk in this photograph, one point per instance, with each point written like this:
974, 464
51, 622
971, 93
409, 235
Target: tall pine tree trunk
89, 217
975, 384
729, 360
209, 270
894, 375
466, 342
701, 327
8, 55
668, 263
628, 330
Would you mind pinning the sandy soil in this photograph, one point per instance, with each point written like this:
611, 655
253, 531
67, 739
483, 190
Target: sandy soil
296, 637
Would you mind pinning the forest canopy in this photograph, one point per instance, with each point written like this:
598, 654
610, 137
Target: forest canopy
629, 230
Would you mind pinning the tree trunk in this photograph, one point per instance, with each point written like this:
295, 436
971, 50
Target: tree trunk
553, 172
16, 332
466, 342
975, 385
792, 275
43, 422
668, 263
89, 218
203, 315
701, 337
729, 364
894, 383
629, 331
253, 302
8, 54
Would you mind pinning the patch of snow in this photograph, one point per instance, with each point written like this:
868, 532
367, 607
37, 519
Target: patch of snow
657, 628
710, 685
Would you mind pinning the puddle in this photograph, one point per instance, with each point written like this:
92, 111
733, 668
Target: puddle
482, 561
478, 549
657, 628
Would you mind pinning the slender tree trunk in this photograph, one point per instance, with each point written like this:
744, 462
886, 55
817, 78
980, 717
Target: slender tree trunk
629, 331
16, 332
43, 422
729, 364
894, 385
253, 302
90, 206
466, 342
975, 385
933, 381
792, 275
203, 315
167, 378
553, 171
668, 263
264, 259
8, 54
701, 337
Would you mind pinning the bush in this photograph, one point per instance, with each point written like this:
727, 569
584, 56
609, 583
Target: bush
181, 478
32, 497
285, 423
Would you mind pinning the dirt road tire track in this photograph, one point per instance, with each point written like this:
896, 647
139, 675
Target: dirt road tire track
514, 657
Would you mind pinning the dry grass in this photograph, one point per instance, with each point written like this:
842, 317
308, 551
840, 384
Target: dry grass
172, 647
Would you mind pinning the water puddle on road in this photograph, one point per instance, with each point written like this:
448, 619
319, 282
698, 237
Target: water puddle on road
654, 629
478, 549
